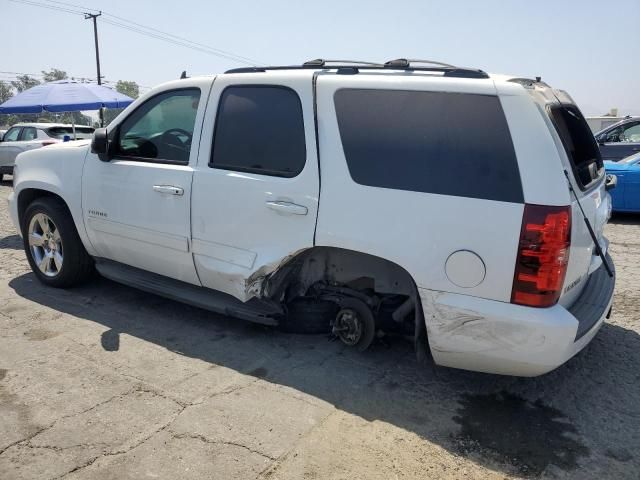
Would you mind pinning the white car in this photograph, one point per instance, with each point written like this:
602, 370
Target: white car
435, 201
28, 136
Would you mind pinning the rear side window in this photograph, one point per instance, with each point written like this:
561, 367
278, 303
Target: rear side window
259, 129
433, 142
29, 133
579, 143
60, 132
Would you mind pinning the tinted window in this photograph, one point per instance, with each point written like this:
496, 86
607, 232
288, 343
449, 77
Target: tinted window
631, 133
29, 133
60, 132
11, 135
259, 129
162, 128
579, 143
433, 142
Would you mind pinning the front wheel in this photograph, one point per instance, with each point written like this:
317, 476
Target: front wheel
54, 249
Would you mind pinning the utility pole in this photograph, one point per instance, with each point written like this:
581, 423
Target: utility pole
94, 17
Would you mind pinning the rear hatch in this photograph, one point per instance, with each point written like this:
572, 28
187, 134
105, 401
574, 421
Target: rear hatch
585, 170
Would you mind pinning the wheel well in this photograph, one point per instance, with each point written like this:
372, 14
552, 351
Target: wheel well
28, 195
351, 273
338, 266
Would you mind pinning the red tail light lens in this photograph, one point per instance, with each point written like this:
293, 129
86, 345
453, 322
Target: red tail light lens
543, 255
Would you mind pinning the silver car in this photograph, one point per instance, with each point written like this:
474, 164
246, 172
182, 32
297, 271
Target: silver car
28, 136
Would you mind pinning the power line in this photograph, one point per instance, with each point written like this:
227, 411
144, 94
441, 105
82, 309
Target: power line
146, 27
50, 7
142, 30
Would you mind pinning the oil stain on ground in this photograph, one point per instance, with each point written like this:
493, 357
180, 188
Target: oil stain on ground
529, 436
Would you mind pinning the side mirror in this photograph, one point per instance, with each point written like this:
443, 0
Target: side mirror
602, 139
100, 144
611, 182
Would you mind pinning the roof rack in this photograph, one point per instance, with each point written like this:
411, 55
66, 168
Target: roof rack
354, 66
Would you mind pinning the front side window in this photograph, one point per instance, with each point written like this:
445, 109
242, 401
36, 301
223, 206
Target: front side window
12, 135
433, 142
259, 129
29, 133
160, 129
631, 133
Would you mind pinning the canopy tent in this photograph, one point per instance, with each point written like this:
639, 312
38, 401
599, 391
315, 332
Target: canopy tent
65, 96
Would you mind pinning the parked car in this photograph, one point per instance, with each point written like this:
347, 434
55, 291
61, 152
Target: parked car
620, 140
28, 136
436, 201
626, 196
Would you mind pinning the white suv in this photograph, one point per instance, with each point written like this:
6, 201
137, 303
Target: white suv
462, 208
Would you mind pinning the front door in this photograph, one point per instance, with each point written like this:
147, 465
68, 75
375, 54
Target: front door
255, 189
137, 205
620, 142
10, 147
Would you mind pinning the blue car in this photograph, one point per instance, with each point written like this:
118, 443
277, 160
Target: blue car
626, 195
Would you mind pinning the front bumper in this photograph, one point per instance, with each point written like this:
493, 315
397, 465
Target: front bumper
12, 202
496, 337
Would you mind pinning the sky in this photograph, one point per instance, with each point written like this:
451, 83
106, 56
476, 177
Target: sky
589, 48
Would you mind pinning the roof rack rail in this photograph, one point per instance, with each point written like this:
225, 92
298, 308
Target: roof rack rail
321, 62
353, 66
407, 62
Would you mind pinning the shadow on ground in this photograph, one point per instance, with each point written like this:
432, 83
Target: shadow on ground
564, 418
625, 218
13, 242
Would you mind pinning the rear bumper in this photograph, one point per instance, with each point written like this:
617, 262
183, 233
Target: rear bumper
497, 337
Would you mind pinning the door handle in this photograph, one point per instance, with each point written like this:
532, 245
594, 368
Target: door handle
170, 189
287, 207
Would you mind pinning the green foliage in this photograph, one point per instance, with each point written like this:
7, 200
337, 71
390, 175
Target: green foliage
128, 88
24, 82
54, 74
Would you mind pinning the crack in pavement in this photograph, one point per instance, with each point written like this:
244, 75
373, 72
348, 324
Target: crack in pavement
220, 442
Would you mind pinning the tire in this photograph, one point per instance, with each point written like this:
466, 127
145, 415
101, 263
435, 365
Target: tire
308, 315
365, 318
58, 257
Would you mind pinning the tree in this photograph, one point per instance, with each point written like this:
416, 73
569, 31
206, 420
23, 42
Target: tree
24, 82
54, 74
128, 88
125, 87
6, 92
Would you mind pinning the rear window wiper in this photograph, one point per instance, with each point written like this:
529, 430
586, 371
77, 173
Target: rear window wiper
599, 251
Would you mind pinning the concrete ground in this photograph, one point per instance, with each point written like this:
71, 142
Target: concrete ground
106, 382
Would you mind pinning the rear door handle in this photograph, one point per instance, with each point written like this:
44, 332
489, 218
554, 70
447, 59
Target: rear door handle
170, 189
287, 207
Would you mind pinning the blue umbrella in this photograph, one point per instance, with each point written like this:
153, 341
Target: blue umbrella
65, 96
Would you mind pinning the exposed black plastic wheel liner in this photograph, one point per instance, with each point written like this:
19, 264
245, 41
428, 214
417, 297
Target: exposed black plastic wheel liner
592, 303
254, 310
308, 315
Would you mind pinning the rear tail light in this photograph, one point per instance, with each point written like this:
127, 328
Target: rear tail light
543, 255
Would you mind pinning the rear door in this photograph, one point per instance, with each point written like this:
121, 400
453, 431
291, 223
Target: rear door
255, 189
